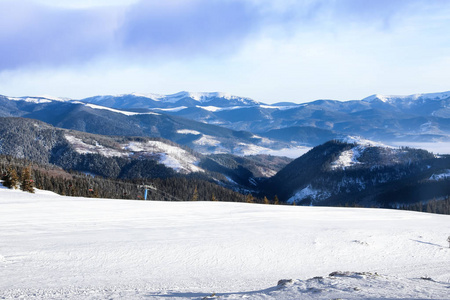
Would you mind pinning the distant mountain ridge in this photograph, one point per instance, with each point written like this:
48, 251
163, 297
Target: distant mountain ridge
188, 99
420, 117
388, 119
413, 97
92, 118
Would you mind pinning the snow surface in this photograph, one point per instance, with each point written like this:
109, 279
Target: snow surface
188, 131
127, 113
55, 247
173, 109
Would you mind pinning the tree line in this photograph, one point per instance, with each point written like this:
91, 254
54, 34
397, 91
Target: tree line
18, 172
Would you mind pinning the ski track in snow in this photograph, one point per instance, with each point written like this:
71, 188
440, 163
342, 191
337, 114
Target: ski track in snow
55, 247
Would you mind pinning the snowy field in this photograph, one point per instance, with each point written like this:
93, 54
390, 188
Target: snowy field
54, 247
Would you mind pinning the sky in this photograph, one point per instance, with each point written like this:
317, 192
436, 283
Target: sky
271, 51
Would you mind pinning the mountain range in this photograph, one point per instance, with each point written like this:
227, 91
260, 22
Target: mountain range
421, 117
91, 118
251, 124
151, 136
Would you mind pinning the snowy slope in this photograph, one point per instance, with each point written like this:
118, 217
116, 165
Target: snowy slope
55, 247
171, 156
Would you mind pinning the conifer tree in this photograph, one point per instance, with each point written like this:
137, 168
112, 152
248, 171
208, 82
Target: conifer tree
195, 194
275, 200
266, 201
11, 179
249, 198
27, 183
213, 198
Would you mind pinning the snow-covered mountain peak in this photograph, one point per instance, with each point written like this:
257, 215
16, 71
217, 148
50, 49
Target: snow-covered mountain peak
375, 97
152, 96
199, 98
204, 97
413, 97
39, 99
361, 141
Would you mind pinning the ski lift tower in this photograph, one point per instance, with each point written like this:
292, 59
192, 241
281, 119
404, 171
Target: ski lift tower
147, 187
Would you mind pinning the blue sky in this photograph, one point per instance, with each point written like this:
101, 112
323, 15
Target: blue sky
270, 51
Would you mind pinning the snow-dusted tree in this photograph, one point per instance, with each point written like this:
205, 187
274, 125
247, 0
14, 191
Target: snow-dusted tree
448, 240
27, 183
11, 179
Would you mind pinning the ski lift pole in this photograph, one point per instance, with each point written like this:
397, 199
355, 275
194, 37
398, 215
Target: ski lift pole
146, 187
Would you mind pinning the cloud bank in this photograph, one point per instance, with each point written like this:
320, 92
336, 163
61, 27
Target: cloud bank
286, 50
32, 33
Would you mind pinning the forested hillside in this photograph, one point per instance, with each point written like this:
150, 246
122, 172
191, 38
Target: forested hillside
71, 183
340, 173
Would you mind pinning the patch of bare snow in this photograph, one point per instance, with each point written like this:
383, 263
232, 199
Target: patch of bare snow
440, 176
188, 131
83, 148
211, 108
173, 109
207, 140
309, 192
124, 112
348, 158
171, 156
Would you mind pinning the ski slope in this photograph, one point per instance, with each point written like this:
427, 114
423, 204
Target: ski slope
55, 247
